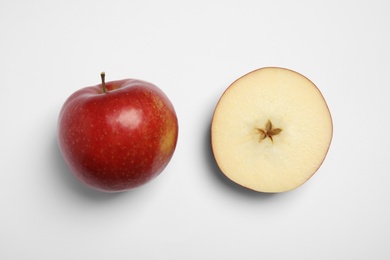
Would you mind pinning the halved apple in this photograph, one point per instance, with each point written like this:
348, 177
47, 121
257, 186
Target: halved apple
271, 130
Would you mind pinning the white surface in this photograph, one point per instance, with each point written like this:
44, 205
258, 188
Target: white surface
193, 50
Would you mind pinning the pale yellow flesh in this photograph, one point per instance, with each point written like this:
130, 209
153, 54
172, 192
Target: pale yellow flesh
292, 103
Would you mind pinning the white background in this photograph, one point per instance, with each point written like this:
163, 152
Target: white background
193, 50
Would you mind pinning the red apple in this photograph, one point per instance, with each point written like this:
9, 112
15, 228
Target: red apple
117, 135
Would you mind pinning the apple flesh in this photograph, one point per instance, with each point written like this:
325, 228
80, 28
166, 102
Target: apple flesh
117, 135
271, 130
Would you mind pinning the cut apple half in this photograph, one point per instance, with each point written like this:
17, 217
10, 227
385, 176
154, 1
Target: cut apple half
271, 130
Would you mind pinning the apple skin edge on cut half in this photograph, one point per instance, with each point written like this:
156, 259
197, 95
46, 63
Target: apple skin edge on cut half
271, 130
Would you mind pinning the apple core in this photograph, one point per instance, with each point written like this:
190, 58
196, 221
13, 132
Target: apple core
268, 132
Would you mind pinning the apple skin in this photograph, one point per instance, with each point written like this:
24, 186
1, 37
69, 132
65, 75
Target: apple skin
119, 139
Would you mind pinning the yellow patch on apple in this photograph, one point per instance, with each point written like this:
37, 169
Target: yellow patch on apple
169, 141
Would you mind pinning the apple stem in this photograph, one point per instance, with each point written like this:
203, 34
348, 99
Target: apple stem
102, 76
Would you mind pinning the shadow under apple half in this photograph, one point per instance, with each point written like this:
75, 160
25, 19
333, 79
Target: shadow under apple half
271, 130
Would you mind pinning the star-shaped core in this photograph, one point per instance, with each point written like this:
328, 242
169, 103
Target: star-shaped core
269, 131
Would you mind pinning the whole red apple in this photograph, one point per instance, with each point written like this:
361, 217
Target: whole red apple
117, 135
